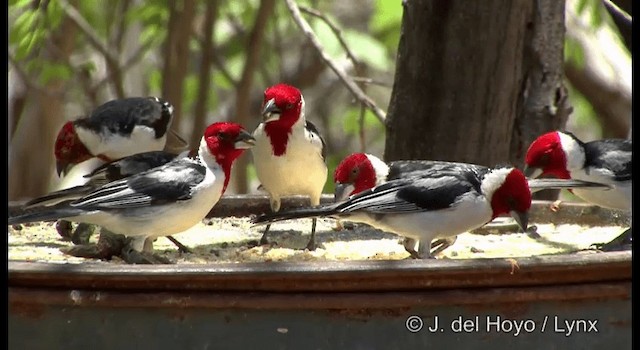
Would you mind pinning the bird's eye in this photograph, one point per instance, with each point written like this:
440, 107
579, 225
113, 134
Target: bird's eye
355, 170
222, 135
289, 106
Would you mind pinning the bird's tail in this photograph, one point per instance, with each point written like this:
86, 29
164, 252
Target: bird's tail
559, 184
43, 214
58, 196
313, 212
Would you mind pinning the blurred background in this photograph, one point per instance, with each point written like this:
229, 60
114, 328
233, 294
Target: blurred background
213, 60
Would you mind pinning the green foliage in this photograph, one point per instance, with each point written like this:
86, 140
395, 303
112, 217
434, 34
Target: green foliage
385, 23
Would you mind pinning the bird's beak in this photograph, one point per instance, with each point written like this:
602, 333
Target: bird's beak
532, 172
270, 111
342, 191
522, 218
62, 167
244, 140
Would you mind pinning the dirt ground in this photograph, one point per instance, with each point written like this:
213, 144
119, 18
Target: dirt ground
234, 239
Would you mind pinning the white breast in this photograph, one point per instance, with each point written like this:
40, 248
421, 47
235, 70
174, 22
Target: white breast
142, 139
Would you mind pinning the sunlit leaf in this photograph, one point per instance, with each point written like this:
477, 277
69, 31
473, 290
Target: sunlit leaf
54, 71
367, 49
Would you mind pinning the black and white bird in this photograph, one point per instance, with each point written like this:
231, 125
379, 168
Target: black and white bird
424, 205
114, 130
161, 201
289, 155
361, 171
608, 161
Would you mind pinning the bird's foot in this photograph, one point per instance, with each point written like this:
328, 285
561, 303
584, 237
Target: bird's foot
109, 245
441, 244
338, 226
132, 256
181, 247
312, 245
555, 206
622, 242
83, 233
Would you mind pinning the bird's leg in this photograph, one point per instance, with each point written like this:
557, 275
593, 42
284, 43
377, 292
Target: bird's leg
148, 245
181, 247
424, 250
441, 244
622, 242
275, 206
410, 245
83, 233
555, 206
263, 239
312, 240
140, 251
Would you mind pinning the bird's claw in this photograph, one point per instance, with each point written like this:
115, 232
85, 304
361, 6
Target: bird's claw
555, 206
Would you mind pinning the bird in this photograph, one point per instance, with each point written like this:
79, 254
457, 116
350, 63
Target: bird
116, 129
430, 204
361, 171
289, 155
161, 201
607, 161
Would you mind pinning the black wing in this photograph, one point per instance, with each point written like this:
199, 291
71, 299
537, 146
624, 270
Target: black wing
429, 192
612, 154
122, 115
314, 131
172, 182
128, 166
420, 168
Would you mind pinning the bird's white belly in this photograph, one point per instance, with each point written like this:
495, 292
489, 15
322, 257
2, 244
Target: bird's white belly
166, 219
617, 197
283, 175
142, 139
426, 226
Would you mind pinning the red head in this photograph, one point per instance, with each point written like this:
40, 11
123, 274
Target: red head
282, 107
226, 142
354, 174
547, 156
68, 149
510, 193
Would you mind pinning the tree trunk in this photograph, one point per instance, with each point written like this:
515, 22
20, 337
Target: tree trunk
474, 80
176, 55
243, 92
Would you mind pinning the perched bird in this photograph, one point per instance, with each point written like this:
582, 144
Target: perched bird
428, 204
608, 161
114, 130
289, 155
360, 171
161, 201
563, 155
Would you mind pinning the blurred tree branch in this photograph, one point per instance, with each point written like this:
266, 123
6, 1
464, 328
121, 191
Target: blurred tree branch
620, 11
110, 58
346, 79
